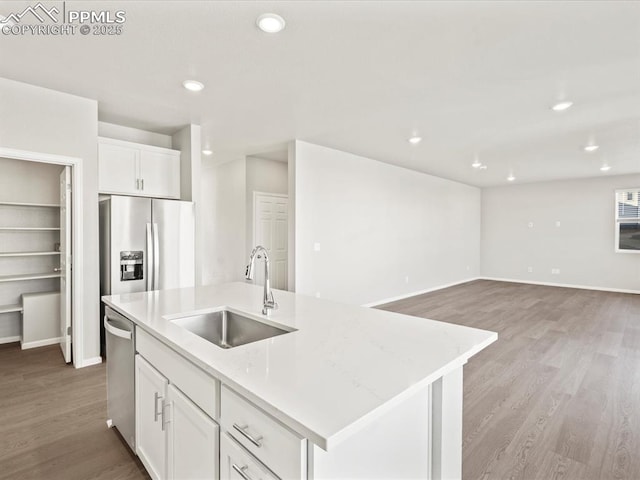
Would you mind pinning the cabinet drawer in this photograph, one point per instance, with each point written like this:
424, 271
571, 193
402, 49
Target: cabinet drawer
236, 463
202, 389
280, 449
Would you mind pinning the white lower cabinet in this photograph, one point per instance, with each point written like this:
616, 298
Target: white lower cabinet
174, 438
192, 440
283, 451
151, 444
237, 464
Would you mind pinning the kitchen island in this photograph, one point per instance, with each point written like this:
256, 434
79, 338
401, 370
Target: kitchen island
349, 392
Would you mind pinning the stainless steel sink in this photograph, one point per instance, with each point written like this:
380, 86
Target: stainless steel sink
228, 329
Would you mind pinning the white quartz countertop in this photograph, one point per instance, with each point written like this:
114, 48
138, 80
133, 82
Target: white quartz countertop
342, 368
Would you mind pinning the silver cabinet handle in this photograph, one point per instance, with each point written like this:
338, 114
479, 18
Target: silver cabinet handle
241, 471
157, 411
164, 417
256, 441
142, 183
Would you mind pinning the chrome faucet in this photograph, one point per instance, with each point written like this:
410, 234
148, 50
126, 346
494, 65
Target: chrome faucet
267, 300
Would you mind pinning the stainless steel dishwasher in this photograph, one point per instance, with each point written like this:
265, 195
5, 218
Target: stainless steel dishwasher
120, 340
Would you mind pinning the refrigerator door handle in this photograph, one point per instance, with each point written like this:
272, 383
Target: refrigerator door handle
149, 259
156, 257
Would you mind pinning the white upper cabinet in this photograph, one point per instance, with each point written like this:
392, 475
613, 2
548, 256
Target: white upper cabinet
129, 168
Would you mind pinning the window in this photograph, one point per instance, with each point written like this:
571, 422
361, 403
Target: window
628, 220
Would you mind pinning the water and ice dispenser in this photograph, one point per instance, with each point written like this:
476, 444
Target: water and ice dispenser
131, 266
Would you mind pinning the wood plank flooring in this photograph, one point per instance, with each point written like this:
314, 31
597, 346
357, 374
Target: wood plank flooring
52, 420
558, 395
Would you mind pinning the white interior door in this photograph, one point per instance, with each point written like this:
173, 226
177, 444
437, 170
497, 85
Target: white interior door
65, 263
270, 229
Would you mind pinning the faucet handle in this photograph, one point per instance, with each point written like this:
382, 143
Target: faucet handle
248, 273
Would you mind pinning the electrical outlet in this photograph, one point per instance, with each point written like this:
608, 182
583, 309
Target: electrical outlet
557, 223
555, 271
316, 247
530, 224
530, 269
406, 280
317, 294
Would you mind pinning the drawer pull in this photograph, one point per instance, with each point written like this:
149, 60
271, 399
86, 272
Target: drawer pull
241, 471
156, 411
256, 441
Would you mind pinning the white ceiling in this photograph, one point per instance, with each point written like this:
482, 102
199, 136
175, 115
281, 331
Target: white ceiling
469, 77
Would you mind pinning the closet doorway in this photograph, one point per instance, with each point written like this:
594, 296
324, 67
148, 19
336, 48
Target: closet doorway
39, 237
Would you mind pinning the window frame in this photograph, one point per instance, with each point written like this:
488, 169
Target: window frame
618, 221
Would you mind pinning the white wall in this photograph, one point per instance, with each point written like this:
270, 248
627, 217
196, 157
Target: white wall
41, 120
188, 141
29, 182
224, 214
120, 132
378, 224
582, 247
267, 176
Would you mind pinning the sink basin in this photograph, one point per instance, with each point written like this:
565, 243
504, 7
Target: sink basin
228, 329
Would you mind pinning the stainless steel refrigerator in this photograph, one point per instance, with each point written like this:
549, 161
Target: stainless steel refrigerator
145, 244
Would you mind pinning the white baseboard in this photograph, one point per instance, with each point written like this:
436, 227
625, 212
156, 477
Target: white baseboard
419, 292
39, 343
563, 285
9, 339
87, 362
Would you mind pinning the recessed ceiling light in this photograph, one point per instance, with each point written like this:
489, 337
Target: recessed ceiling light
415, 140
561, 106
476, 163
270, 23
207, 152
511, 178
605, 167
591, 148
192, 85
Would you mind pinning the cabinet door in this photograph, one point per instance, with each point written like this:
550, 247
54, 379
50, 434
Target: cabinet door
151, 445
238, 464
160, 174
117, 169
193, 440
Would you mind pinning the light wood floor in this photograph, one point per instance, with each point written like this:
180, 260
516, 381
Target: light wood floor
52, 420
558, 395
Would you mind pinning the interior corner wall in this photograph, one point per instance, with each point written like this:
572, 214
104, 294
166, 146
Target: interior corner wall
41, 120
520, 230
367, 231
291, 191
224, 193
188, 141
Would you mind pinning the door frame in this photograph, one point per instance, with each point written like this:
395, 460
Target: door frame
77, 244
253, 223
